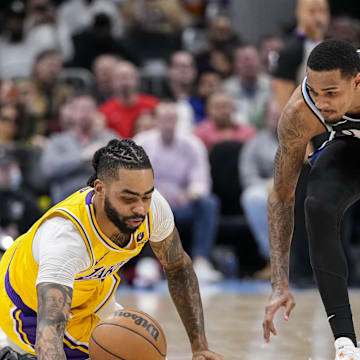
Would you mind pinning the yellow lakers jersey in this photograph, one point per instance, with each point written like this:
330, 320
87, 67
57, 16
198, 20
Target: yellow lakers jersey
93, 287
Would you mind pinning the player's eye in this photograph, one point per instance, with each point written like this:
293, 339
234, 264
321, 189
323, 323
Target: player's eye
129, 200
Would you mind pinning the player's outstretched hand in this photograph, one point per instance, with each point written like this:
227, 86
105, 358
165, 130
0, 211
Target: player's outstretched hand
277, 299
207, 355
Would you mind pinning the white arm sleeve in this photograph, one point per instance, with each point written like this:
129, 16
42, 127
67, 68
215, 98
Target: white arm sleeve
162, 218
60, 252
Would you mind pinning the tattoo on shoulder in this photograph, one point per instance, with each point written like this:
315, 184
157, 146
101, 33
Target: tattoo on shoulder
170, 250
54, 303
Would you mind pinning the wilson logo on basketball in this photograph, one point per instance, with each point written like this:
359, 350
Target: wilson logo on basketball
140, 321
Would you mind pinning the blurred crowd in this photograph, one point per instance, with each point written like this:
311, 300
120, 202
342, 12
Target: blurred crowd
175, 76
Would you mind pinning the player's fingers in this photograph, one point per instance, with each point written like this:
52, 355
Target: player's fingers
288, 308
268, 328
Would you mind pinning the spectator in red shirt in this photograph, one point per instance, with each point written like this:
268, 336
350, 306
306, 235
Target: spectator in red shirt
220, 125
127, 104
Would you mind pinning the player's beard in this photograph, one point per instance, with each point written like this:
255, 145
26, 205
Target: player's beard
118, 220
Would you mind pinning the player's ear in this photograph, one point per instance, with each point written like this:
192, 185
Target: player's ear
99, 187
357, 80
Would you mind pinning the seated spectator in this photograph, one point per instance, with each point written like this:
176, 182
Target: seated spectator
95, 40
249, 86
345, 28
17, 176
179, 86
49, 93
182, 175
208, 83
102, 68
155, 27
222, 40
144, 122
19, 46
76, 15
220, 125
66, 161
256, 174
127, 103
19, 207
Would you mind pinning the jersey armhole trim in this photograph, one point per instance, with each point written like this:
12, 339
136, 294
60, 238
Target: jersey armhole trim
82, 231
312, 106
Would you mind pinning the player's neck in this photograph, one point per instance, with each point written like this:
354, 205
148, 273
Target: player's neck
105, 225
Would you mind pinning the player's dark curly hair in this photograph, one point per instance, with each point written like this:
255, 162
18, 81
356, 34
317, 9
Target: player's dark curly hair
335, 54
118, 154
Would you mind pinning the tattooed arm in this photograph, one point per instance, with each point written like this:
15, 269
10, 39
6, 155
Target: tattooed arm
54, 303
184, 290
297, 126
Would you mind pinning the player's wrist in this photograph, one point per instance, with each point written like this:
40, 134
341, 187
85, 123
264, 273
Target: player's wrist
199, 344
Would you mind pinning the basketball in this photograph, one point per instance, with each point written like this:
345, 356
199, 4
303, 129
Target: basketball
128, 334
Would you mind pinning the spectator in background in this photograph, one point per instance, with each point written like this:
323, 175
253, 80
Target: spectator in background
269, 48
144, 122
249, 86
18, 206
40, 12
345, 28
75, 16
312, 22
66, 161
102, 68
182, 176
179, 86
155, 27
222, 41
19, 175
256, 164
207, 84
127, 103
96, 40
48, 93
19, 48
220, 124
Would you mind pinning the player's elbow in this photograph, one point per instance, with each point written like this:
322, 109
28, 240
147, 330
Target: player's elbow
284, 195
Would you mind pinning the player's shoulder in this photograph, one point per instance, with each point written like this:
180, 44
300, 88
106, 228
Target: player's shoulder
299, 118
157, 200
296, 108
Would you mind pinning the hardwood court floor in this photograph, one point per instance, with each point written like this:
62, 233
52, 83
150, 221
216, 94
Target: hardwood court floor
233, 323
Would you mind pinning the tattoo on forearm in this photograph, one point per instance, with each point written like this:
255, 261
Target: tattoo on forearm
54, 303
183, 286
287, 167
281, 222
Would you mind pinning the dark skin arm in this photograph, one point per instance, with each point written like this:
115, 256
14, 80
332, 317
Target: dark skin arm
184, 290
54, 303
297, 126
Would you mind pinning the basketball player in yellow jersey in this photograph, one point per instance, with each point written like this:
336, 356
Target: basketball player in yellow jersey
58, 279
